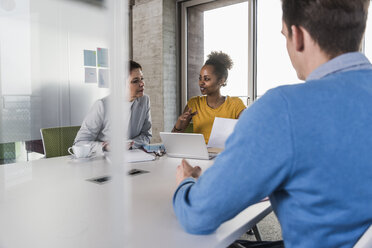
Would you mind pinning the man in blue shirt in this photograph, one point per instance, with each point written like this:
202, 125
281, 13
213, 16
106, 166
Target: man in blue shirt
306, 146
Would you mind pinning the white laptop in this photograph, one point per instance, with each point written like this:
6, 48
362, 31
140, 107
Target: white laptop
185, 145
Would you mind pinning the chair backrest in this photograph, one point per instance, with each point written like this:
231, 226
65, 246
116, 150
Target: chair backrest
189, 128
57, 140
366, 240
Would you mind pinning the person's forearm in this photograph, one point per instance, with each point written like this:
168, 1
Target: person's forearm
142, 139
176, 130
194, 222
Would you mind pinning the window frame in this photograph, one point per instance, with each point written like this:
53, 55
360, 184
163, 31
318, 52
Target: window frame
182, 8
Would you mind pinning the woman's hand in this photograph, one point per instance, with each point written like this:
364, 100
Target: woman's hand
184, 120
106, 146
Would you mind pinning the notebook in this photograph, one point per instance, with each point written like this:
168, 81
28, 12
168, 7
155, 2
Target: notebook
133, 156
185, 145
137, 155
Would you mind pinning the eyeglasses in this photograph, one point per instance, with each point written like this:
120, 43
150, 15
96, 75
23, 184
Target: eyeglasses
137, 80
159, 153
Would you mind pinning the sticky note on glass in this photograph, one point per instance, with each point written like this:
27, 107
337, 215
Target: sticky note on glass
102, 57
103, 78
90, 75
89, 58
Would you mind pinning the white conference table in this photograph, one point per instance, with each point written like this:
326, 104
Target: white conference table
49, 203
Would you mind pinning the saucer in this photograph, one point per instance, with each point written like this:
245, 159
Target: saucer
73, 158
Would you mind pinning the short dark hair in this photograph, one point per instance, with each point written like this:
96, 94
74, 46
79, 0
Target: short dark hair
337, 26
134, 65
221, 62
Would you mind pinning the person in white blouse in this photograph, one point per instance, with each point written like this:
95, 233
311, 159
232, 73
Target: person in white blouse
96, 125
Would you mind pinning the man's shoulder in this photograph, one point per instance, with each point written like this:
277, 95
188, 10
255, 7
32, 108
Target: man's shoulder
283, 90
296, 94
300, 88
319, 91
331, 81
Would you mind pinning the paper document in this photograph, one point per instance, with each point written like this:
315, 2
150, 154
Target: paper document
103, 78
89, 58
221, 130
102, 57
90, 75
138, 155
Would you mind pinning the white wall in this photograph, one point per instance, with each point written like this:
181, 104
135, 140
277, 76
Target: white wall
41, 61
15, 82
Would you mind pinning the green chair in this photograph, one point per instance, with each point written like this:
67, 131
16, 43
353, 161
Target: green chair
57, 140
8, 151
189, 128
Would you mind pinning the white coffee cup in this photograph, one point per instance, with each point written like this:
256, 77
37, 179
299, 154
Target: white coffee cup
80, 151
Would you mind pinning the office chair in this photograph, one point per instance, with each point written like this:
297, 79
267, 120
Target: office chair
57, 140
189, 128
366, 240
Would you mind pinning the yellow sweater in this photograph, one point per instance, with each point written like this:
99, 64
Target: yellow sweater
203, 120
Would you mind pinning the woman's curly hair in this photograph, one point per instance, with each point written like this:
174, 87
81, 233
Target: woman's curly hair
221, 63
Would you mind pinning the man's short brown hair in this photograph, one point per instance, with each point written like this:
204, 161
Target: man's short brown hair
337, 26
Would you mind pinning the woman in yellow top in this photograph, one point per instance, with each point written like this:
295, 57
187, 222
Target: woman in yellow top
203, 109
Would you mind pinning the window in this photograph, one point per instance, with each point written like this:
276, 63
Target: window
249, 31
204, 31
230, 35
368, 36
274, 67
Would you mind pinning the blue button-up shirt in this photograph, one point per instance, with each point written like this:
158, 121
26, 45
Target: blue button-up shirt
345, 62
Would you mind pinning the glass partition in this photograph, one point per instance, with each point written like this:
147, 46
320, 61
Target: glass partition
47, 77
57, 58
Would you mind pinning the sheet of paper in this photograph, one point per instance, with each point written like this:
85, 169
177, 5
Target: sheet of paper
138, 155
90, 75
89, 58
103, 78
102, 57
221, 130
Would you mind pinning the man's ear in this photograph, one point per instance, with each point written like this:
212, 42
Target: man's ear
298, 38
